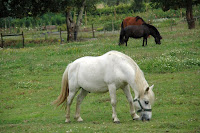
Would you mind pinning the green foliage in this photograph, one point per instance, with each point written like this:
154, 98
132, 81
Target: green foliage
158, 13
46, 19
18, 30
100, 29
164, 22
63, 27
112, 26
172, 4
138, 6
120, 9
27, 22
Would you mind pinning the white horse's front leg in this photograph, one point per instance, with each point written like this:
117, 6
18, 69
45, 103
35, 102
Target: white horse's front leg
112, 91
129, 97
80, 98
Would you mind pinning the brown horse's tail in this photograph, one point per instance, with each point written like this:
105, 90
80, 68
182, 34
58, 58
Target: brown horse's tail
64, 90
121, 37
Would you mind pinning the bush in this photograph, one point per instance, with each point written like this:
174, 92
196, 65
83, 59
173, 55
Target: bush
120, 9
138, 6
109, 26
100, 29
165, 22
63, 27
159, 13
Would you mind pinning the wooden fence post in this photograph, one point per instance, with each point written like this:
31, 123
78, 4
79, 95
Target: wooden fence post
85, 18
112, 26
115, 13
1, 40
23, 39
60, 36
93, 31
171, 24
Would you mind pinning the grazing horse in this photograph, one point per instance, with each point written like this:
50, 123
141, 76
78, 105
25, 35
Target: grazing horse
138, 31
129, 21
106, 73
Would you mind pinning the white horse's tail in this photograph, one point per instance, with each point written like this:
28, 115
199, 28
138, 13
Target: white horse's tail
64, 90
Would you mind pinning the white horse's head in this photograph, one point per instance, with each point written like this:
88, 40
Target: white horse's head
144, 103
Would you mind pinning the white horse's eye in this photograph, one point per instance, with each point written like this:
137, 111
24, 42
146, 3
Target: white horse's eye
146, 102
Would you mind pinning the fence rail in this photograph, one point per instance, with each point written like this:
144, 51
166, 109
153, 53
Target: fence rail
2, 41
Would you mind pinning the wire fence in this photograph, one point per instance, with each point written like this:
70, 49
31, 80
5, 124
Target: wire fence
89, 31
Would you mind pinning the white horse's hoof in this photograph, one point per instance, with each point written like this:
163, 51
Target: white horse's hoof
136, 117
79, 119
67, 121
117, 122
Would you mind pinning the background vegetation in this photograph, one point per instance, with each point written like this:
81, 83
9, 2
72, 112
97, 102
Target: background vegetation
98, 16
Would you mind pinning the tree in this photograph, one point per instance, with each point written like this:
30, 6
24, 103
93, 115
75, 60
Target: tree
71, 8
73, 27
175, 4
20, 9
138, 5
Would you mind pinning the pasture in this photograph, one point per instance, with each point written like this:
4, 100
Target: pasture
31, 80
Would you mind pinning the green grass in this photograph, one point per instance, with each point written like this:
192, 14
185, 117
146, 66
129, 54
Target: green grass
31, 79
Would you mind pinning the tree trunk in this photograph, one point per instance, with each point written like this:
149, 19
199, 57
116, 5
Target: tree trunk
79, 19
73, 27
117, 2
70, 25
189, 15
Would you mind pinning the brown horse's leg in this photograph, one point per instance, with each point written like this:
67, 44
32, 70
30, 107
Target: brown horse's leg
126, 40
143, 41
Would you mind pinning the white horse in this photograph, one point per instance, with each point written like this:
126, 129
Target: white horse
105, 73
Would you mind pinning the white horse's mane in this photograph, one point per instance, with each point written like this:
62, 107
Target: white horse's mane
139, 79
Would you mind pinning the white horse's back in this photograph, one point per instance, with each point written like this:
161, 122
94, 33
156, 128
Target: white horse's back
95, 73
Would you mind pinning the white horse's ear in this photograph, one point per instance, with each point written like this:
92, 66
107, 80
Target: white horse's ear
151, 87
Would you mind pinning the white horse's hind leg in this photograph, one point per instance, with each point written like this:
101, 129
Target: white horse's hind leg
80, 98
130, 100
112, 91
70, 98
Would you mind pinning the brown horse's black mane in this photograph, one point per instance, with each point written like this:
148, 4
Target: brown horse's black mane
138, 17
152, 27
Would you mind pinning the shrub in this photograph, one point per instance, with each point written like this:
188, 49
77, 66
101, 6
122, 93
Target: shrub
165, 22
120, 9
100, 29
109, 26
63, 27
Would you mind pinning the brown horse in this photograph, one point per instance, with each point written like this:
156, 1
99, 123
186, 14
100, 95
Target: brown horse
129, 21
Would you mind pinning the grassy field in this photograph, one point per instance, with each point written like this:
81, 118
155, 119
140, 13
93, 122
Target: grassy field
31, 79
